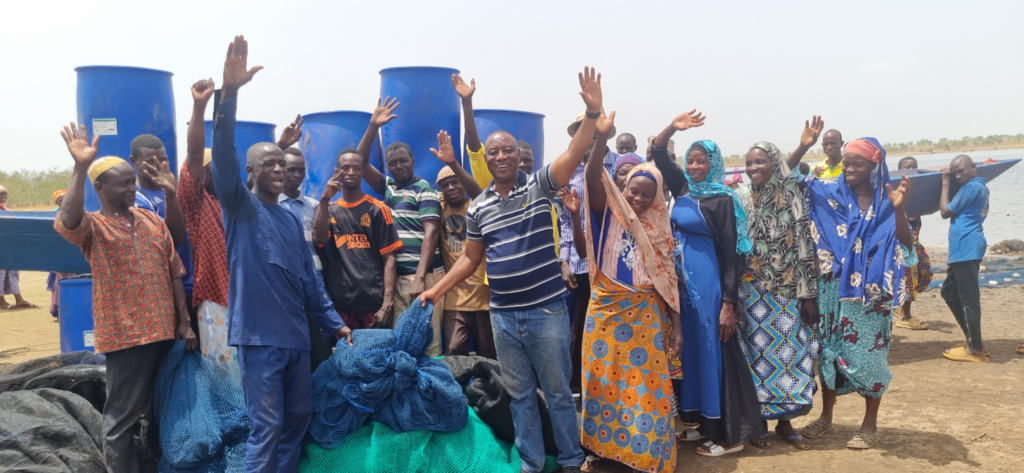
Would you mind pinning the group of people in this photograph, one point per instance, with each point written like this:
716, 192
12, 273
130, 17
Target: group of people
651, 288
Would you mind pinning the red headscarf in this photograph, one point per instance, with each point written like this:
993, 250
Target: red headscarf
865, 148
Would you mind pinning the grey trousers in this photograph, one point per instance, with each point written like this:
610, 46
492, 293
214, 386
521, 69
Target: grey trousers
131, 378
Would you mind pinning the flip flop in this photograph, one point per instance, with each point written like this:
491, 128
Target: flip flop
764, 445
717, 450
816, 429
1020, 349
689, 435
960, 354
796, 440
591, 463
912, 324
964, 345
24, 305
862, 440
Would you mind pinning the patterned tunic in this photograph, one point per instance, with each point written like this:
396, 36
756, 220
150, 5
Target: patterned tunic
132, 267
206, 233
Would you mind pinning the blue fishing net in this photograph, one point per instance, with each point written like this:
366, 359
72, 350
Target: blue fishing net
385, 377
203, 425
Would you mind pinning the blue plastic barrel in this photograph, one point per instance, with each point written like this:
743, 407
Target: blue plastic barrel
429, 104
75, 305
324, 135
526, 126
121, 103
246, 135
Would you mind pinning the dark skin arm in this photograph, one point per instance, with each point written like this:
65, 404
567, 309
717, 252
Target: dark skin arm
382, 115
387, 309
898, 198
808, 138
673, 172
463, 268
446, 154
72, 210
597, 198
432, 234
202, 91
322, 221
183, 329
571, 200
563, 167
809, 312
943, 198
291, 134
466, 92
174, 217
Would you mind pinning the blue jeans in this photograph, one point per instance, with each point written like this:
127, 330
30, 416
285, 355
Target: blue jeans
533, 345
276, 383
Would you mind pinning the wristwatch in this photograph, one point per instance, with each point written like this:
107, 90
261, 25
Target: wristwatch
593, 115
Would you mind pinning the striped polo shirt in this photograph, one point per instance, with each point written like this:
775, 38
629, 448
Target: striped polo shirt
411, 205
522, 268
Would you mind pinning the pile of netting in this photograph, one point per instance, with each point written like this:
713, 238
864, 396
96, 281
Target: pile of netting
376, 448
385, 377
201, 413
50, 417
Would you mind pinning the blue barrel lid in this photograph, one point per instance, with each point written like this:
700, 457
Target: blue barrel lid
410, 68
121, 69
316, 114
497, 110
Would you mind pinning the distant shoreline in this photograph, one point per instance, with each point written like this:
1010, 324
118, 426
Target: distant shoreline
816, 157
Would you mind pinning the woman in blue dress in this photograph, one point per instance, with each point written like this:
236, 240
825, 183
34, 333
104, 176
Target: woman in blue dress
709, 225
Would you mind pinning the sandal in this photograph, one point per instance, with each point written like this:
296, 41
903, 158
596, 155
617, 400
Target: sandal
591, 463
796, 440
716, 450
1020, 349
912, 324
761, 441
689, 435
816, 429
961, 354
964, 345
862, 440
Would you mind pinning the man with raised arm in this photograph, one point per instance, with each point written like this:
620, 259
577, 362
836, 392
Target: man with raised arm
416, 208
510, 223
273, 284
361, 243
138, 301
205, 227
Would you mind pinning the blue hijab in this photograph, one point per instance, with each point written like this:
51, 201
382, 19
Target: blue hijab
847, 240
713, 185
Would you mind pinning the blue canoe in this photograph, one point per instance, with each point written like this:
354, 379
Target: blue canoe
29, 242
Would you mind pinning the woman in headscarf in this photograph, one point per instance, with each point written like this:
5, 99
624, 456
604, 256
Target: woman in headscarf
863, 243
779, 291
632, 323
710, 228
622, 167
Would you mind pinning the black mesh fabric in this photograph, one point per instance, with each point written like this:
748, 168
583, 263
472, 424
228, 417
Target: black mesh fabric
80, 372
49, 431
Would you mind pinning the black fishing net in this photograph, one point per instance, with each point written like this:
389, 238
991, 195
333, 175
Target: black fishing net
80, 372
49, 431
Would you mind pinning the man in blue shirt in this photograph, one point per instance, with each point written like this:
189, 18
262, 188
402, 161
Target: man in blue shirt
273, 284
967, 246
157, 193
510, 224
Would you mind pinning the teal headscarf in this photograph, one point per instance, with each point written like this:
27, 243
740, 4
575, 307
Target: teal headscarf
713, 185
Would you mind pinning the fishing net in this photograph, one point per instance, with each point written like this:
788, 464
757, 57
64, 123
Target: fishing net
376, 448
49, 430
385, 377
484, 388
201, 413
80, 372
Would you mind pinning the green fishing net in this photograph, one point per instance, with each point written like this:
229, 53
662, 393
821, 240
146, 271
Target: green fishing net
375, 448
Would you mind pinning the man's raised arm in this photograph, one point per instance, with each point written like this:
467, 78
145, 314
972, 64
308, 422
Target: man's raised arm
382, 115
73, 208
226, 173
196, 138
565, 165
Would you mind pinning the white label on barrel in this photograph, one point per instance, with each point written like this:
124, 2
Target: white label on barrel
104, 126
89, 342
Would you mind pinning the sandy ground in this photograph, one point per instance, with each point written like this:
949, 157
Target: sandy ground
937, 415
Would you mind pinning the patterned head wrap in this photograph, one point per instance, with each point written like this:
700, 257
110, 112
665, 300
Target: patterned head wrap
57, 193
629, 158
713, 185
866, 148
782, 253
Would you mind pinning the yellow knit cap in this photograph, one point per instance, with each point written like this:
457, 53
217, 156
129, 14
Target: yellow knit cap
102, 165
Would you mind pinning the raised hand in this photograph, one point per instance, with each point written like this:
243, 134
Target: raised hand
333, 185
590, 85
465, 91
811, 132
691, 119
235, 73
899, 196
162, 176
444, 152
78, 144
291, 133
817, 172
202, 90
605, 124
570, 199
385, 111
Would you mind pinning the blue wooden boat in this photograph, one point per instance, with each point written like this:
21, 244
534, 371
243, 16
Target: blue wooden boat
29, 242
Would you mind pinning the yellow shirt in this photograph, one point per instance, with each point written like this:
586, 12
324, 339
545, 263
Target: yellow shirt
829, 171
478, 165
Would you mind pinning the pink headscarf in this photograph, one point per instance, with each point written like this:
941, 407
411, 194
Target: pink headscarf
865, 148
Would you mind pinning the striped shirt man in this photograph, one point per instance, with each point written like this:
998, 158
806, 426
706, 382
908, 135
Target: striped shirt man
519, 240
411, 205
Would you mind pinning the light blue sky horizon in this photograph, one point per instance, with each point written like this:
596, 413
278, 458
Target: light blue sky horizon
898, 71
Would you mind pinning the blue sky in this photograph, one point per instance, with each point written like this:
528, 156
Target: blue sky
899, 71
